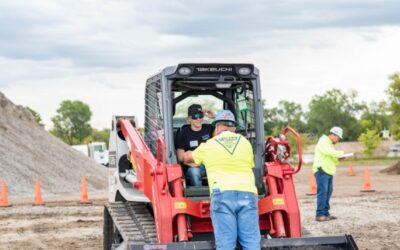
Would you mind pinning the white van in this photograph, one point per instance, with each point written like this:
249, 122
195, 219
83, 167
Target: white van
394, 151
94, 150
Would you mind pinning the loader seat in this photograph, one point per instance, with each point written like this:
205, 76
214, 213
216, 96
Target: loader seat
176, 134
177, 124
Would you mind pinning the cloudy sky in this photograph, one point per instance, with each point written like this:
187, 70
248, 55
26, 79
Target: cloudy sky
102, 51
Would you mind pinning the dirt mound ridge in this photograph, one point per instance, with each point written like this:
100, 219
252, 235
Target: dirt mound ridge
28, 151
395, 169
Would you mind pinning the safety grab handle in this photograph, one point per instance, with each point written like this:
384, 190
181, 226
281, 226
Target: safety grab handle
161, 148
299, 150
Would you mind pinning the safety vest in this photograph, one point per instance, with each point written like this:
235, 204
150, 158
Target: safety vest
229, 160
326, 156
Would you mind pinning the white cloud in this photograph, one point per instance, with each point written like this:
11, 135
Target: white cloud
344, 60
101, 52
107, 93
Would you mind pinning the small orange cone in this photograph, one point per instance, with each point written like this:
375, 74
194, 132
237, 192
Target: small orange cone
351, 171
38, 195
367, 182
3, 196
84, 193
313, 184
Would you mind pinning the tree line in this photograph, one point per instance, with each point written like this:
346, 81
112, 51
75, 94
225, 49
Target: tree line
72, 124
359, 120
335, 107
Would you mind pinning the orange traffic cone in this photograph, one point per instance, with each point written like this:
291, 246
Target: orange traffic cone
38, 195
3, 196
367, 182
313, 184
84, 193
351, 171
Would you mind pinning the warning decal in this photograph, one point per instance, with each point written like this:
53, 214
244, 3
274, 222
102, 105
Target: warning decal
229, 143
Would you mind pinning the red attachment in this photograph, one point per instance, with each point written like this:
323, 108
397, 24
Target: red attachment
299, 149
162, 184
280, 208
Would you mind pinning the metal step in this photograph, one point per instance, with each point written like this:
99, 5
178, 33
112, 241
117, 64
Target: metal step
202, 191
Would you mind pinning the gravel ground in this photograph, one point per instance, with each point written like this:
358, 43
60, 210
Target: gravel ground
61, 224
373, 219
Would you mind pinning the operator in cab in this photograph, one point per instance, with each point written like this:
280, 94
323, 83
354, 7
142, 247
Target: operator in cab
229, 160
190, 137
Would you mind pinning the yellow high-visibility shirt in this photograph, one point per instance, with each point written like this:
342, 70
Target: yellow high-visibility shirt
326, 156
229, 162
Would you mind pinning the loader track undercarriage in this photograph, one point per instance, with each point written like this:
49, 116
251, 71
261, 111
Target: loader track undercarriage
133, 221
135, 226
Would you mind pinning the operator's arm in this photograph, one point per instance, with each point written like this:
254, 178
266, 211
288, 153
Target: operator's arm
180, 153
190, 163
195, 157
209, 113
180, 145
188, 157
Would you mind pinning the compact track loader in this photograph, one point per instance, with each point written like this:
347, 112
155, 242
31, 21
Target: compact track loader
151, 207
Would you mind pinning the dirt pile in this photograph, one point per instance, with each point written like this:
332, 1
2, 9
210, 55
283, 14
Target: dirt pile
28, 151
395, 169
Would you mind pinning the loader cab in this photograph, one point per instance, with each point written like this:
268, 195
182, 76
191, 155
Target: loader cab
214, 86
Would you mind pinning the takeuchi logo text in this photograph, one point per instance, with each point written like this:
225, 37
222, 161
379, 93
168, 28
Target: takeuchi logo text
214, 69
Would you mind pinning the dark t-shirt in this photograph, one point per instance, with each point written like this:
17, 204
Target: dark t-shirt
190, 140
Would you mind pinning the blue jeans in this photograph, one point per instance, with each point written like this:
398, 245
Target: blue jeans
234, 217
195, 175
324, 192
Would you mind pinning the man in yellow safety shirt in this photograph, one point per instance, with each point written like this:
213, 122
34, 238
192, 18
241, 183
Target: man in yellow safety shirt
229, 160
325, 161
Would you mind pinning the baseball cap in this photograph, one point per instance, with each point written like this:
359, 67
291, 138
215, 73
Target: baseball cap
225, 115
195, 110
337, 131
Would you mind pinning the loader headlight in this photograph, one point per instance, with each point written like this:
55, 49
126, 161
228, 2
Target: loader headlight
184, 71
244, 71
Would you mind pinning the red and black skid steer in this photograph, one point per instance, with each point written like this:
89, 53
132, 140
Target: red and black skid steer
151, 207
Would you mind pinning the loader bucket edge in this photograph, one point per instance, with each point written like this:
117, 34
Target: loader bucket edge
322, 242
309, 243
194, 245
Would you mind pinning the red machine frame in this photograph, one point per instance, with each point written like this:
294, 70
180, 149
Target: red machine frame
162, 184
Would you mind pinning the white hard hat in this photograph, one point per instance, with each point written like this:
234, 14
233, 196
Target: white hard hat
337, 131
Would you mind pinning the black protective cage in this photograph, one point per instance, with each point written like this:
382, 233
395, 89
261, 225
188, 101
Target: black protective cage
203, 80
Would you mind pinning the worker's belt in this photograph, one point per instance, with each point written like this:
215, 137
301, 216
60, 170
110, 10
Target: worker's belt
321, 171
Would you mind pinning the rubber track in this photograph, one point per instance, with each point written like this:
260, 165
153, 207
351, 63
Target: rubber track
134, 221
